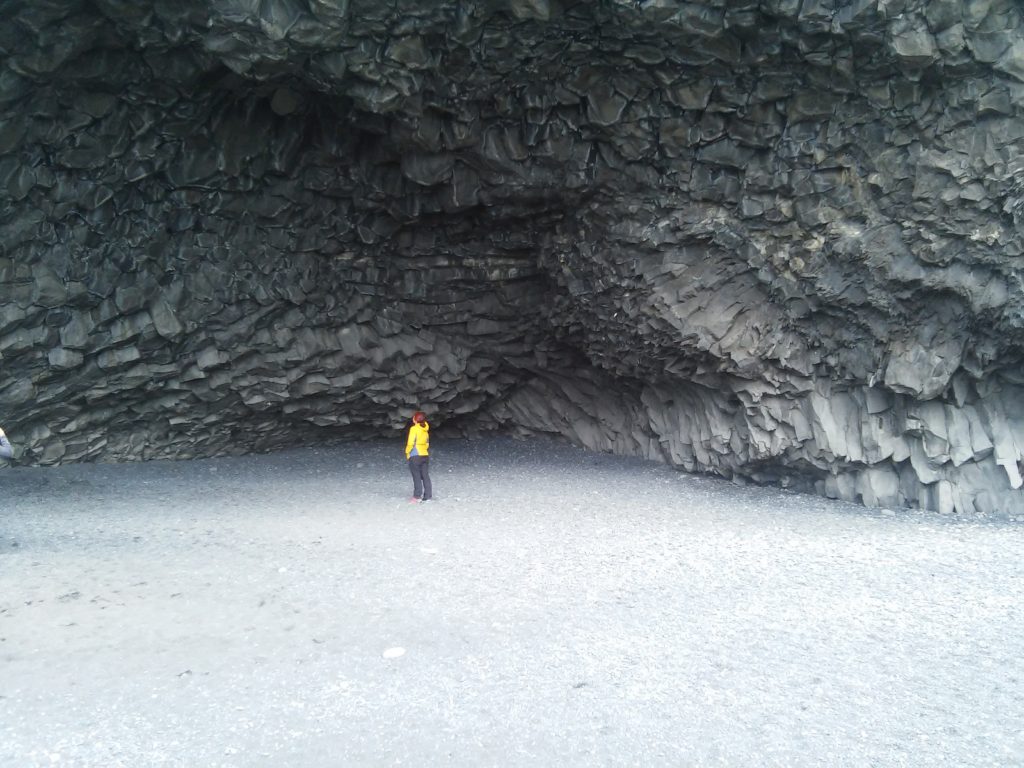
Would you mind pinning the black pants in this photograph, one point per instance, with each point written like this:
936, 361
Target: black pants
420, 468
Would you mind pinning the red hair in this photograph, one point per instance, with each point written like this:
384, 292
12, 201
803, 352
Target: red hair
419, 417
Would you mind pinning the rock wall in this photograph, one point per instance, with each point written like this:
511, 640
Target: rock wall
778, 241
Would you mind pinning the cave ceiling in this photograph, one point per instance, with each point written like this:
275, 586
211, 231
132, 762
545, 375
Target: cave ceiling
777, 240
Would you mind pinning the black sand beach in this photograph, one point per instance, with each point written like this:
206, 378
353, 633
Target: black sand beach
552, 607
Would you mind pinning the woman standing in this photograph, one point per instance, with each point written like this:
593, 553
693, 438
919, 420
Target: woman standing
417, 453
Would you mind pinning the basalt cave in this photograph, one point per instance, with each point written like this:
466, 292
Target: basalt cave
775, 240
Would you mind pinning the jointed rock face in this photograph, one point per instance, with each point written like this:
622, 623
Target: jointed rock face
774, 240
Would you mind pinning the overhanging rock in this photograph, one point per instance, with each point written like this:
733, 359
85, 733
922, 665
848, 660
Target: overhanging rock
770, 240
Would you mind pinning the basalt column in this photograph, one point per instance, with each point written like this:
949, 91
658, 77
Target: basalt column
776, 241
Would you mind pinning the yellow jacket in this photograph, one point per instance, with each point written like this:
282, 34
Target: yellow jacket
418, 443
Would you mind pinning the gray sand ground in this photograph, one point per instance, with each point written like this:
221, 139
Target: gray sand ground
555, 607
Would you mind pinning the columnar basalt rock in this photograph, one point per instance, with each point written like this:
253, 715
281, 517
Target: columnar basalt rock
777, 241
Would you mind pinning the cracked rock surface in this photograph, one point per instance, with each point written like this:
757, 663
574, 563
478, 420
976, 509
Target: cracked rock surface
777, 241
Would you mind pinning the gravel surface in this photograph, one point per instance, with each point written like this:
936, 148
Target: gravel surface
553, 607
